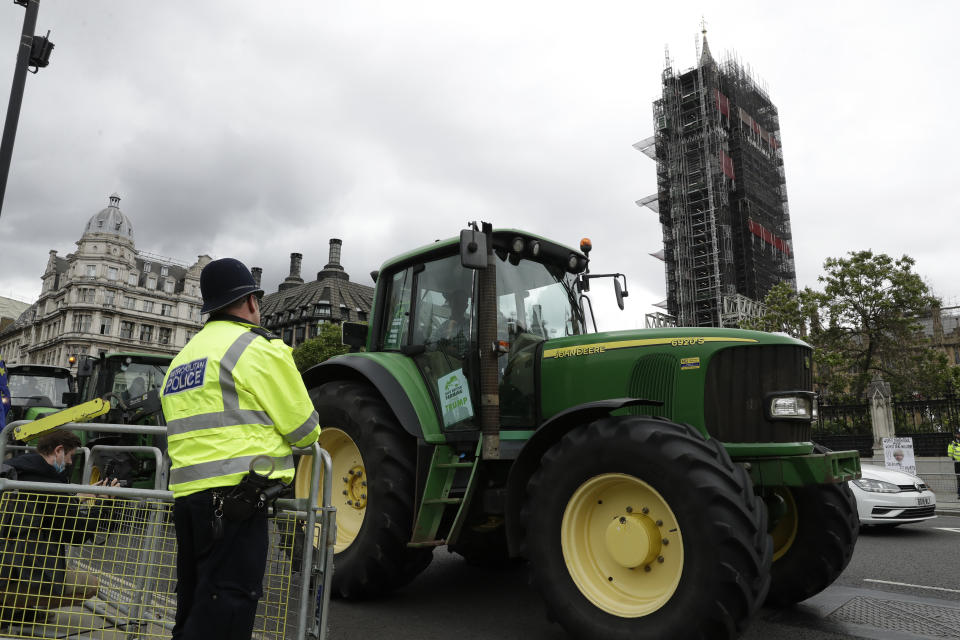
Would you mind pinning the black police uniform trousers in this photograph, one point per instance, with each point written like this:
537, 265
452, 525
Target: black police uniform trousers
219, 581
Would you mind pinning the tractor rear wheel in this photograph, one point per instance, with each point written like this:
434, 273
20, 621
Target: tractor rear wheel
813, 541
639, 528
374, 475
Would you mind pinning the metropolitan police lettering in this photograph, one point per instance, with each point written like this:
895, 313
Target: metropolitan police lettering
186, 376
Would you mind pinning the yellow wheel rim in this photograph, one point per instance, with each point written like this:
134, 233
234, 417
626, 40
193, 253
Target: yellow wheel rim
622, 545
785, 531
349, 484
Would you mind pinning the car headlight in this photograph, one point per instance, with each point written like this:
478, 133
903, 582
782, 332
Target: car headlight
876, 486
792, 405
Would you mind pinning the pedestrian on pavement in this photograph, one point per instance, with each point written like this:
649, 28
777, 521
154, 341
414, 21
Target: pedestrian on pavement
953, 451
231, 398
4, 395
36, 529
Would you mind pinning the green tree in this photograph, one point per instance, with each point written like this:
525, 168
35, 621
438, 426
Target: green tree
328, 343
864, 323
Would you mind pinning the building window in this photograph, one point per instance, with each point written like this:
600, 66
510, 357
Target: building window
166, 309
312, 331
163, 335
132, 279
109, 296
323, 309
146, 267
130, 302
190, 335
85, 294
164, 271
362, 316
91, 270
126, 330
148, 306
146, 333
81, 322
301, 334
956, 355
288, 336
106, 324
113, 273
152, 282
344, 313
168, 285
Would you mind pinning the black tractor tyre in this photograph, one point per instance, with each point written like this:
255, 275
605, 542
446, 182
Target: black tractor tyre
724, 572
827, 531
378, 560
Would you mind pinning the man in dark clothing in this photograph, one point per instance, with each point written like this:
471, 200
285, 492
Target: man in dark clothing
35, 529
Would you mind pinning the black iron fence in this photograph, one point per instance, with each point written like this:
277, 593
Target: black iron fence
930, 423
941, 415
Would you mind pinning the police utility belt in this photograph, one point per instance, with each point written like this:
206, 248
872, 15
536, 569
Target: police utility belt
255, 494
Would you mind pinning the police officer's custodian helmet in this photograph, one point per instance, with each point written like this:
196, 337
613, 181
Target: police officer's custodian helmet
224, 281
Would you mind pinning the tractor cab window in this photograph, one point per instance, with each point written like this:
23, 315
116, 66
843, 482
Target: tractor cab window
396, 322
445, 324
535, 302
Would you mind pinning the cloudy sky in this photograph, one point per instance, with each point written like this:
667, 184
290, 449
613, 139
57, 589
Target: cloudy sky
257, 129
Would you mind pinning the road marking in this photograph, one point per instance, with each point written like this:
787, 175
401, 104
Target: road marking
948, 529
915, 586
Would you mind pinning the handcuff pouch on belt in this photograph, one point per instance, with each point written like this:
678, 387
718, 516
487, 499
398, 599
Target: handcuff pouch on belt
253, 495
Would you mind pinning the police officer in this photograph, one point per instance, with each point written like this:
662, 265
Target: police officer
953, 452
231, 397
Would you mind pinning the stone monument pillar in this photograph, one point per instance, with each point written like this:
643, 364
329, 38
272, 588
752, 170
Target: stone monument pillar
881, 414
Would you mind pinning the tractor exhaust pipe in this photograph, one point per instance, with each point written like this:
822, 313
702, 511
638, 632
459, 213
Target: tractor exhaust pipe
489, 383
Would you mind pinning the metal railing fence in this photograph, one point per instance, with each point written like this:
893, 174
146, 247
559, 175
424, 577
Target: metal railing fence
105, 567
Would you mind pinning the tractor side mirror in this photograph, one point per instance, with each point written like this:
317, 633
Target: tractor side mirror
473, 249
85, 367
354, 335
618, 291
69, 398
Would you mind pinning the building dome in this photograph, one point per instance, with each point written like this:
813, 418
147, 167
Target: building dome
111, 220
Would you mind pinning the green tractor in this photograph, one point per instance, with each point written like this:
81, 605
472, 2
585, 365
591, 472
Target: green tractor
660, 483
131, 383
37, 390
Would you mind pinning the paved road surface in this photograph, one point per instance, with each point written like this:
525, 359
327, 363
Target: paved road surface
901, 584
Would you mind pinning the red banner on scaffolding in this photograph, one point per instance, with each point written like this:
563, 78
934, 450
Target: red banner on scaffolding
723, 102
727, 163
768, 236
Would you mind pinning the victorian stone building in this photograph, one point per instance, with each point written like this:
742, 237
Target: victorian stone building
107, 296
298, 308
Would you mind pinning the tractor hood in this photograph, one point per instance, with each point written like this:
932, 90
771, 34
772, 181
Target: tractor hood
724, 376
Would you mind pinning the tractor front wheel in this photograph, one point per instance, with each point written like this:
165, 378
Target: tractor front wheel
639, 528
374, 475
813, 540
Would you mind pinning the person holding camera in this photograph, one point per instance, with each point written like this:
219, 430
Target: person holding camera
231, 398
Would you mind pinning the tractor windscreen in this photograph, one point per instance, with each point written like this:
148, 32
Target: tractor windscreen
537, 299
134, 379
37, 390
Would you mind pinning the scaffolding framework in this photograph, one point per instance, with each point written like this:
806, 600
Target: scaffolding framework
721, 193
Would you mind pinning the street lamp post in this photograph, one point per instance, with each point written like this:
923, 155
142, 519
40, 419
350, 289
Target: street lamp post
34, 51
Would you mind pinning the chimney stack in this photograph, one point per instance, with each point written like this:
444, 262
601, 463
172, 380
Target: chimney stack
256, 272
294, 279
295, 260
334, 260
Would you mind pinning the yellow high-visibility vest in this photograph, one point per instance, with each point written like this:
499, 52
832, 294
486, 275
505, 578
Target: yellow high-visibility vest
230, 396
953, 450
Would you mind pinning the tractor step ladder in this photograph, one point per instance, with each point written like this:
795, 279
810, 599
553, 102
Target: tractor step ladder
436, 496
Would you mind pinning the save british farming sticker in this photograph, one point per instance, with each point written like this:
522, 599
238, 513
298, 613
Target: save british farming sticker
186, 376
454, 398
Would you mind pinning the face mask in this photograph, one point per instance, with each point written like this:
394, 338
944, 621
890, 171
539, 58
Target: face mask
59, 465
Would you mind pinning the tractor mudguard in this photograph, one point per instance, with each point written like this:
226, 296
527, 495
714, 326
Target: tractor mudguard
396, 378
546, 435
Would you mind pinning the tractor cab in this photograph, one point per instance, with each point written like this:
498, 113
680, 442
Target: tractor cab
433, 312
37, 390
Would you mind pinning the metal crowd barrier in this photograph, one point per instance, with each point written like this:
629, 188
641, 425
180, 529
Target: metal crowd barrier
105, 568
945, 483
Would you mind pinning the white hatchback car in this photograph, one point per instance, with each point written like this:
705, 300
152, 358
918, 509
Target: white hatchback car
888, 497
